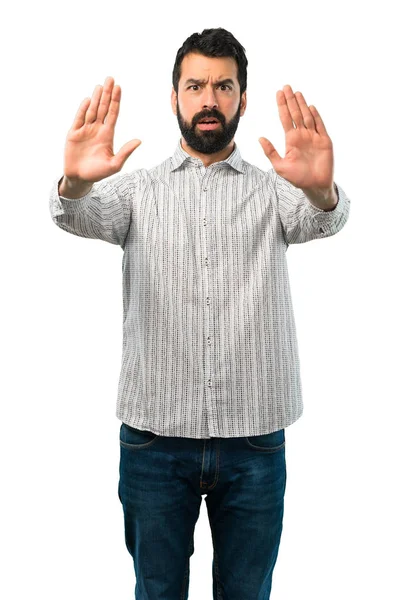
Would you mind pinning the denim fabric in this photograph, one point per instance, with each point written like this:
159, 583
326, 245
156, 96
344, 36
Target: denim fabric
162, 481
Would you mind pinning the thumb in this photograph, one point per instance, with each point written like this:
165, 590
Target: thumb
269, 151
125, 152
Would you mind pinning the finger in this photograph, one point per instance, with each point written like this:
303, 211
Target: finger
125, 152
80, 115
294, 109
319, 124
113, 111
91, 114
284, 113
308, 119
270, 151
105, 99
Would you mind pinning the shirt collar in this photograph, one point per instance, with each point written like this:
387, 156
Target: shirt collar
181, 156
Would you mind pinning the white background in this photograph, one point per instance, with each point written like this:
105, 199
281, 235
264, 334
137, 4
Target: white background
61, 521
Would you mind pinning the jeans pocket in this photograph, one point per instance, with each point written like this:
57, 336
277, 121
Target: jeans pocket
132, 438
267, 442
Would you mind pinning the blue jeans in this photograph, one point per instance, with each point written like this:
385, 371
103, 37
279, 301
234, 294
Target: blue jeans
162, 480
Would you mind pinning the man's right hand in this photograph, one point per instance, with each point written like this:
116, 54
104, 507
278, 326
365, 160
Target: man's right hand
89, 154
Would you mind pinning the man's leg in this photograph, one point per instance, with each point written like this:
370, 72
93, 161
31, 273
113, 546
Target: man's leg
245, 511
161, 508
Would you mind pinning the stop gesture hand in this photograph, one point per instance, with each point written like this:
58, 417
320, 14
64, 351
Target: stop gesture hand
308, 161
89, 154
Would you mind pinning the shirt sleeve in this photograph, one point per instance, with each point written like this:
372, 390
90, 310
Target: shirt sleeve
301, 220
104, 213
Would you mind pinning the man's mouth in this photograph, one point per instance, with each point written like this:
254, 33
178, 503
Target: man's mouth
208, 124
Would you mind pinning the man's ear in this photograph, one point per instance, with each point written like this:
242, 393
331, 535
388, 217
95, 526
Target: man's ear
174, 99
243, 103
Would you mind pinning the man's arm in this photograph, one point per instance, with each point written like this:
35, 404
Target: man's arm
85, 202
104, 212
310, 204
301, 220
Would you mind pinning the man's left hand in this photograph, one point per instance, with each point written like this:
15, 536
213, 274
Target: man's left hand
308, 162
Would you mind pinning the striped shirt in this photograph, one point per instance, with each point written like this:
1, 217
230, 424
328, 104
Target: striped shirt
209, 343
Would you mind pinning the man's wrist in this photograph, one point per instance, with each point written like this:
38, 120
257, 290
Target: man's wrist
73, 189
326, 200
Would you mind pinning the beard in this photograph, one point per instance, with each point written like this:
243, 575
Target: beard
213, 140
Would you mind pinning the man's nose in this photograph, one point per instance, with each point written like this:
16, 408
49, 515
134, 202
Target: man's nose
209, 98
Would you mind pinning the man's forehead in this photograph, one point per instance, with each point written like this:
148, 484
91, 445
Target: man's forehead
197, 66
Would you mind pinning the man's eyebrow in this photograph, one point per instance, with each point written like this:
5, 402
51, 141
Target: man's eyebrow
200, 81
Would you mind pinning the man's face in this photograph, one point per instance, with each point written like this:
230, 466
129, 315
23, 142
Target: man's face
208, 97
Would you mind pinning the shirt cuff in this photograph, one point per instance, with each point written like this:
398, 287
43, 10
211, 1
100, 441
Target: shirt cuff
324, 219
62, 205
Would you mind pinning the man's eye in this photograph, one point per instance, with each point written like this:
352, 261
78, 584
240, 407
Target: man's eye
222, 85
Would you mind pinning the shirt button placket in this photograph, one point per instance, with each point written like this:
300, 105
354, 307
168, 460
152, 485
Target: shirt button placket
208, 323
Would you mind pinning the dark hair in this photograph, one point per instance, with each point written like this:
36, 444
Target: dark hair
213, 43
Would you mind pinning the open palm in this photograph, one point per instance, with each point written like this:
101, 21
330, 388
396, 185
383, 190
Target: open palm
89, 154
308, 161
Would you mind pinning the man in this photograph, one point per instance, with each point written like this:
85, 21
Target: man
210, 371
